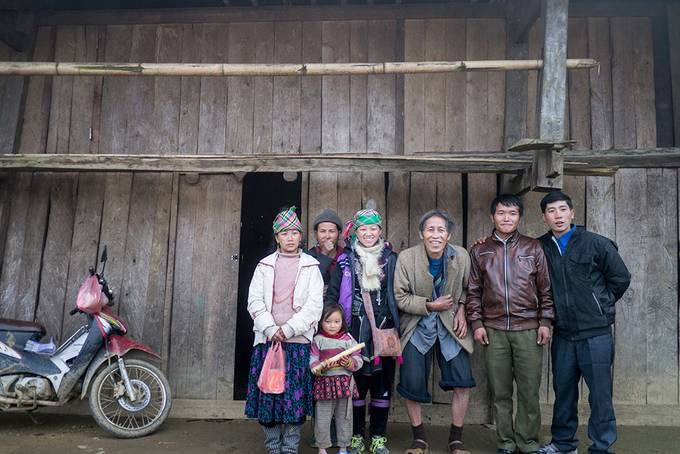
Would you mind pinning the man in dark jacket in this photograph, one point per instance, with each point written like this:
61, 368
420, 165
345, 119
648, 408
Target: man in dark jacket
327, 227
510, 307
588, 277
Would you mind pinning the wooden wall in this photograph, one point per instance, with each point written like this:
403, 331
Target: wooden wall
170, 237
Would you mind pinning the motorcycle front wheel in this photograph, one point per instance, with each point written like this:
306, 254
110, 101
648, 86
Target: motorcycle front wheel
114, 412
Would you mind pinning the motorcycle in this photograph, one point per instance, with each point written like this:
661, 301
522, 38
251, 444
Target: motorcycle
128, 397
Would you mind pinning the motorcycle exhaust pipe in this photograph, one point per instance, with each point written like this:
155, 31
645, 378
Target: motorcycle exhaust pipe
33, 403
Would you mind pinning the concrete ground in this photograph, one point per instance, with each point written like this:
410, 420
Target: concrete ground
57, 434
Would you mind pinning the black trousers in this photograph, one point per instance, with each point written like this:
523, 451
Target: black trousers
379, 385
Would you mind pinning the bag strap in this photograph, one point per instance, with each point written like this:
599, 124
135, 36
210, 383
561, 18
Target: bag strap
368, 307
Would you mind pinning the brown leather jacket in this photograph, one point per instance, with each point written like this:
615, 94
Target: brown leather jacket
509, 285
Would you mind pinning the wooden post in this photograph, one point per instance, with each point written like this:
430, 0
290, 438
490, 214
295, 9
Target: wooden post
547, 165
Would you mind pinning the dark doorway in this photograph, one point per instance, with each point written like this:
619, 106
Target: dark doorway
263, 195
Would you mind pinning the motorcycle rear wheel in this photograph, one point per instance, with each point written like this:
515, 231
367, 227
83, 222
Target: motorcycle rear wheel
116, 414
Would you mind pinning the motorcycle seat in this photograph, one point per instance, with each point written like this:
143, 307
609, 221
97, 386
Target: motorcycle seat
21, 326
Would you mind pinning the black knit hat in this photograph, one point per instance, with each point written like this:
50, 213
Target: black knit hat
328, 215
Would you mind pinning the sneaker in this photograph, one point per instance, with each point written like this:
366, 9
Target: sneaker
550, 448
357, 445
378, 445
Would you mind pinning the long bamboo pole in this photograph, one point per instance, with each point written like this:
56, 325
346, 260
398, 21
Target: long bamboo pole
281, 69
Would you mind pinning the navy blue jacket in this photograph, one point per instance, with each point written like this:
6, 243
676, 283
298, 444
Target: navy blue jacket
586, 282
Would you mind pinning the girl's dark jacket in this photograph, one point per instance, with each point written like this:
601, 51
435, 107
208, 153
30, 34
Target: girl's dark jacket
344, 289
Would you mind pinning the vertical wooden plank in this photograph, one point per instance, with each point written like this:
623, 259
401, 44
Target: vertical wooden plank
600, 190
60, 108
630, 363
435, 88
286, 103
24, 244
57, 253
310, 90
455, 86
661, 282
398, 197
335, 132
241, 96
37, 104
190, 89
358, 87
225, 232
263, 88
414, 88
170, 275
184, 322
381, 109
213, 98
83, 92
423, 197
164, 136
142, 294
98, 88
115, 92
84, 245
140, 91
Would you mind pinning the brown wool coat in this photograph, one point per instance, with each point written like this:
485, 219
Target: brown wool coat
413, 287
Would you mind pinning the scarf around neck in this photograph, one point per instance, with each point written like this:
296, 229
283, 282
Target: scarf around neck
369, 258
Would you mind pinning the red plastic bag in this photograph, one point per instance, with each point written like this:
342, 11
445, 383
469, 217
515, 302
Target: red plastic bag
90, 298
273, 375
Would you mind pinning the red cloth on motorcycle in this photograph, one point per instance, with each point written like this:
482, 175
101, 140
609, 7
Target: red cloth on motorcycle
90, 297
273, 375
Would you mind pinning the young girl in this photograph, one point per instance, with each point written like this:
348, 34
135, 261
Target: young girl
285, 300
333, 385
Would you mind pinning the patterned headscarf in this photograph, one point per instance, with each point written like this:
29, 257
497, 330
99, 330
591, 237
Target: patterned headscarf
287, 220
362, 217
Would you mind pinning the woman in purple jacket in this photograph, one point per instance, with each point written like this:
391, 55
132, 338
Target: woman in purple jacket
367, 265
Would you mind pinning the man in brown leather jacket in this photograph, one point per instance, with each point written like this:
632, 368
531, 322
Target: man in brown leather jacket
510, 308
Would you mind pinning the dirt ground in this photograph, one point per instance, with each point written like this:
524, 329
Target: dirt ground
57, 434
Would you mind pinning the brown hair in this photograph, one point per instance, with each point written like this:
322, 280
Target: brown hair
330, 309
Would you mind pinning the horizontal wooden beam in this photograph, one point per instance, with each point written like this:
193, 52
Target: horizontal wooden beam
576, 162
333, 12
17, 68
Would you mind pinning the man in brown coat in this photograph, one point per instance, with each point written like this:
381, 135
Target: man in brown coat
430, 281
510, 308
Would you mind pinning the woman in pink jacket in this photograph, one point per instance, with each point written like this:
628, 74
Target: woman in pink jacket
285, 300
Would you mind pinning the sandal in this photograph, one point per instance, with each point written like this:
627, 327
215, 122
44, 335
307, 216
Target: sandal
418, 446
456, 447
